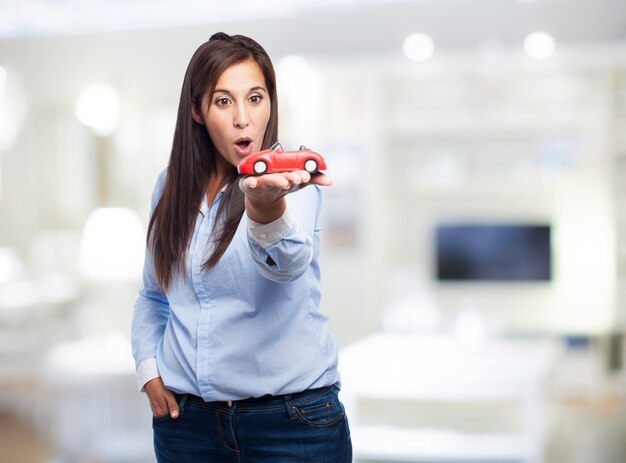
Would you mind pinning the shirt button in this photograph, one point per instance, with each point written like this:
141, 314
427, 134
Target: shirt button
263, 235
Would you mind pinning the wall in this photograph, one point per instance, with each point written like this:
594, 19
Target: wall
494, 137
459, 139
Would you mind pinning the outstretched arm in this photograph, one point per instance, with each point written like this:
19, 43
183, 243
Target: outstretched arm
265, 194
283, 243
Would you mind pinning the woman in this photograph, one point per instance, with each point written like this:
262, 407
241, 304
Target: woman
231, 349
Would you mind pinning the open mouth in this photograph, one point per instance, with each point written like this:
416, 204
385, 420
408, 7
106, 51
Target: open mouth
243, 143
243, 146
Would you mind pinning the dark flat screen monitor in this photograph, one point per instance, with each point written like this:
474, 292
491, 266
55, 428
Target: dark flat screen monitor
493, 252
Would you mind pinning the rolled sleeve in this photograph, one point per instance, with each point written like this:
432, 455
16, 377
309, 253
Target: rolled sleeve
282, 249
271, 233
146, 371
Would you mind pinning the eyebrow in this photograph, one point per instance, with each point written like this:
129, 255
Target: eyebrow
228, 92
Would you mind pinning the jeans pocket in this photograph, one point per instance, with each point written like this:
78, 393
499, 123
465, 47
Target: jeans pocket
161, 418
325, 410
181, 399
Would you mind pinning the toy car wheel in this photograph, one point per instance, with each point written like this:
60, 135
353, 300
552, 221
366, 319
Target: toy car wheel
260, 167
310, 165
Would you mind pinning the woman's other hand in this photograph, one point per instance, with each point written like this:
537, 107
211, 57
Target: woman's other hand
265, 193
162, 400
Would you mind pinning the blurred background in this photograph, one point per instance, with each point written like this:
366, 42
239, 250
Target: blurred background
474, 246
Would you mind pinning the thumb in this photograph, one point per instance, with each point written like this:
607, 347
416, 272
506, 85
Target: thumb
172, 405
321, 179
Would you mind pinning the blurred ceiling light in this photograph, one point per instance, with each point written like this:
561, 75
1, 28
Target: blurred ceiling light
296, 76
112, 247
418, 47
539, 45
98, 108
293, 66
13, 107
300, 93
11, 267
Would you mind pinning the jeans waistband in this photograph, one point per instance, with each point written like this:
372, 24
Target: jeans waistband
264, 403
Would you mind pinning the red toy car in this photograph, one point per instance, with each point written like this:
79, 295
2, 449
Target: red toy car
276, 159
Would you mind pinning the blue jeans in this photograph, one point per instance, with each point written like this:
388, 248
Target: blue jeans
310, 426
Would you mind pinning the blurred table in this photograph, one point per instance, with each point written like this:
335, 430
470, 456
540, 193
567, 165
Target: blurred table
33, 313
396, 368
96, 411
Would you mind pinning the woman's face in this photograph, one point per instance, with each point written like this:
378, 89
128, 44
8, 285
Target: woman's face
237, 113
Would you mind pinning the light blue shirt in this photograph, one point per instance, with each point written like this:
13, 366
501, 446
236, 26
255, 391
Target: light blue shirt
244, 328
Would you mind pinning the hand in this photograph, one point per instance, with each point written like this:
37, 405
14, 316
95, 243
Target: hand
265, 193
162, 400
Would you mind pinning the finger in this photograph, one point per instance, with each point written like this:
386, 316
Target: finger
172, 405
321, 179
299, 176
248, 182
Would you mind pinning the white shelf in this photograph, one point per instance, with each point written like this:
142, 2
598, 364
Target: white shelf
439, 370
415, 445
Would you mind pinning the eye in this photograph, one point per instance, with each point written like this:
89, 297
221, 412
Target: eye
222, 101
255, 99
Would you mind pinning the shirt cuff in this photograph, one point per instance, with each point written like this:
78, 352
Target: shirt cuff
146, 371
267, 234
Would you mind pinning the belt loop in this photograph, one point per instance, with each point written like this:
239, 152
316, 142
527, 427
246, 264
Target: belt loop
290, 408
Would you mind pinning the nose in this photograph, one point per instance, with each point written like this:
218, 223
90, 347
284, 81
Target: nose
241, 118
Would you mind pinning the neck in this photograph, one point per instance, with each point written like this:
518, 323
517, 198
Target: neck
216, 182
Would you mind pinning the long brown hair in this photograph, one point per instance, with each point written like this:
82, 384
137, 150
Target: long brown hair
193, 158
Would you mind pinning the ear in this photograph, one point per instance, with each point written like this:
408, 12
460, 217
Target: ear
195, 115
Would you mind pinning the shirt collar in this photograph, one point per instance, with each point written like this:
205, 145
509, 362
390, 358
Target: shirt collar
204, 206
